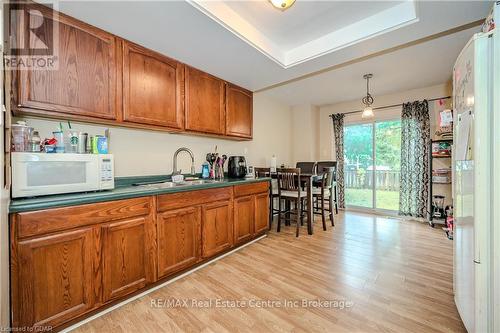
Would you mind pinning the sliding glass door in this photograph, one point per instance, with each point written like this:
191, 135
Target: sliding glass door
358, 158
372, 155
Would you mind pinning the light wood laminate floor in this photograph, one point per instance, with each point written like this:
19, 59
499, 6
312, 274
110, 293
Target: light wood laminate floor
396, 276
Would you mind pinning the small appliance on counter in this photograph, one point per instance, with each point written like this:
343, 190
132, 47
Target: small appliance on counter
35, 174
237, 167
250, 172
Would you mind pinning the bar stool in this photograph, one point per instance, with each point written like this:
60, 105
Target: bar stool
324, 191
289, 189
307, 167
273, 193
317, 183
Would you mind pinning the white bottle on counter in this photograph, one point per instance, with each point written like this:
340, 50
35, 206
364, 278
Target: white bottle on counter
273, 163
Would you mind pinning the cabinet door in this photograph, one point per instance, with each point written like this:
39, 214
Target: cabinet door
127, 256
152, 88
178, 239
239, 112
261, 212
82, 81
204, 102
217, 228
52, 278
244, 217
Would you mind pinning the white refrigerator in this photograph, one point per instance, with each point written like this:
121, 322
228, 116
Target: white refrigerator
476, 181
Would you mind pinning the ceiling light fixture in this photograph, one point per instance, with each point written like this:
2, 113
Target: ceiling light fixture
368, 99
282, 4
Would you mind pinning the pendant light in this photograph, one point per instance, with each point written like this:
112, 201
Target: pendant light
282, 4
368, 99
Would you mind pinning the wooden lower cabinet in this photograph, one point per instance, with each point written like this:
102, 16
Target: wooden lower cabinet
261, 213
128, 258
244, 217
217, 228
178, 239
52, 278
69, 261
251, 211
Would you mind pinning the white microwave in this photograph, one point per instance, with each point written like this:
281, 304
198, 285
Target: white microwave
35, 174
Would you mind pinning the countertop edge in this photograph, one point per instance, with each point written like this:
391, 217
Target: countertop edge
47, 202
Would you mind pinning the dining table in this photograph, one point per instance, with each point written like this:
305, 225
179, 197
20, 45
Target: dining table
306, 179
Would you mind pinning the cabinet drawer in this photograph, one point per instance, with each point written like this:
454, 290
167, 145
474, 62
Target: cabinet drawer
248, 189
192, 198
57, 219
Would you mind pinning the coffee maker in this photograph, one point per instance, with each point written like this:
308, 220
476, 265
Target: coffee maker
237, 167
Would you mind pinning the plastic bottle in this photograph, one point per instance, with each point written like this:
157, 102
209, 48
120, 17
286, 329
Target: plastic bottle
35, 142
205, 170
273, 163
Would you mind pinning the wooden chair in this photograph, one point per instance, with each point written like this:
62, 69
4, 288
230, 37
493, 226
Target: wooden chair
289, 190
306, 167
273, 193
324, 191
329, 164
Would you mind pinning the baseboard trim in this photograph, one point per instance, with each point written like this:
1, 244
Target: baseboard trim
131, 299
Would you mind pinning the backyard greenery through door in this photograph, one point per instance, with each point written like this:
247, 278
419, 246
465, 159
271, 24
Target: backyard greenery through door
368, 184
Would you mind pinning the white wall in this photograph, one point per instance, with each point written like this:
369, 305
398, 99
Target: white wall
305, 133
143, 152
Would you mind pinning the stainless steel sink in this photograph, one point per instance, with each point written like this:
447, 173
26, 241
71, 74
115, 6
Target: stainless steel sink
156, 185
167, 185
199, 182
172, 184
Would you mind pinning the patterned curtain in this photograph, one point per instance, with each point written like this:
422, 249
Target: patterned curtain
338, 132
415, 145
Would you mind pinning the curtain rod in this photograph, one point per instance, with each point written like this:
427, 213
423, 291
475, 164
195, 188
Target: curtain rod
391, 106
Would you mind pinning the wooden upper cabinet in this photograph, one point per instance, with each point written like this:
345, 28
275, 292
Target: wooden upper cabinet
153, 88
128, 258
52, 278
83, 81
100, 78
239, 112
204, 102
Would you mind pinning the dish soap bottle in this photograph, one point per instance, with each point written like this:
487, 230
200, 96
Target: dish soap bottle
205, 170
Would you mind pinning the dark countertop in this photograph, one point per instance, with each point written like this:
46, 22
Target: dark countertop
123, 190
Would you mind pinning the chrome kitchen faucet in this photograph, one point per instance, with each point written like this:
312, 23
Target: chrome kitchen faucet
175, 172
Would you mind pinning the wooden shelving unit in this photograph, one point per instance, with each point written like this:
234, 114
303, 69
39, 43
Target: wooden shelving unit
433, 219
